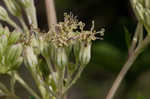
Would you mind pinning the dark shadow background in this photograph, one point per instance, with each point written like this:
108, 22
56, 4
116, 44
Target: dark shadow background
108, 55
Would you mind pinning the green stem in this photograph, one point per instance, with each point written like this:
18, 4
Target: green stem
7, 92
38, 82
61, 84
12, 82
2, 86
49, 90
70, 75
77, 76
136, 36
12, 23
126, 67
22, 82
51, 69
25, 28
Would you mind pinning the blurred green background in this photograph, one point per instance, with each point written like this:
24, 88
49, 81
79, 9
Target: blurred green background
108, 55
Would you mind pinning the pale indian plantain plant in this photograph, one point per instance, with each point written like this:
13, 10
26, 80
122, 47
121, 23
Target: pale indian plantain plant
55, 59
141, 9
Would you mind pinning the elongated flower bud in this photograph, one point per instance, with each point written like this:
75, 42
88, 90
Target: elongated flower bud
30, 11
13, 7
17, 62
147, 3
140, 11
30, 57
3, 40
44, 48
61, 57
35, 43
3, 14
85, 53
14, 37
14, 52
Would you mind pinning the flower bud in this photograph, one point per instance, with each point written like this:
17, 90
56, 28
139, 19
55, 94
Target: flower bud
11, 58
17, 62
24, 3
147, 18
14, 37
13, 7
30, 57
85, 53
14, 52
3, 14
3, 41
30, 11
140, 11
147, 3
61, 57
36, 46
1, 51
44, 48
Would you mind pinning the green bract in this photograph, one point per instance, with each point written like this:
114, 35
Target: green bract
3, 14
85, 53
30, 57
142, 11
13, 7
61, 57
10, 50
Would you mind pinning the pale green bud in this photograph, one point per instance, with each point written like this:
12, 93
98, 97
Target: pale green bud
1, 51
61, 57
3, 14
146, 3
14, 52
140, 11
31, 13
14, 37
17, 62
25, 3
147, 17
44, 48
31, 58
85, 53
4, 41
13, 7
36, 45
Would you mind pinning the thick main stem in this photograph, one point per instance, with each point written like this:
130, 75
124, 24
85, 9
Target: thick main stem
121, 75
126, 67
51, 13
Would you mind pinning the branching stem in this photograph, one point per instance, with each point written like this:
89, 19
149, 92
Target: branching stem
126, 67
22, 82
